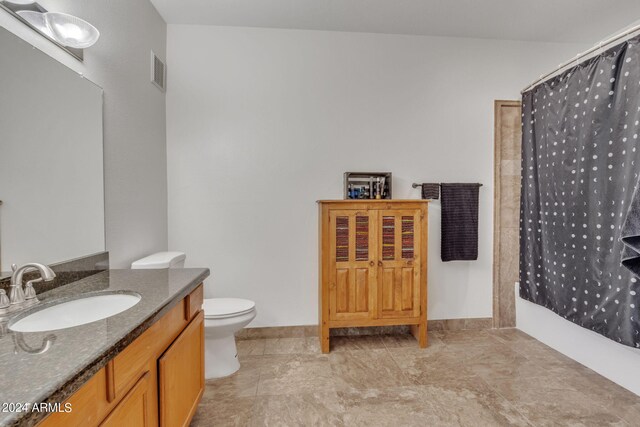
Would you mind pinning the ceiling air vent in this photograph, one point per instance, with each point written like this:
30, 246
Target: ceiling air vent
158, 72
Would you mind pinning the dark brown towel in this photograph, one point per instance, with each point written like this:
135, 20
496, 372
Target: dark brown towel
459, 227
430, 191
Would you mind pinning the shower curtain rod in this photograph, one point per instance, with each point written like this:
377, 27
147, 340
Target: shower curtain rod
580, 56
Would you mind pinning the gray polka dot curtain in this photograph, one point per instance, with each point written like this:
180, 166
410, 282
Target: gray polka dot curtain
580, 166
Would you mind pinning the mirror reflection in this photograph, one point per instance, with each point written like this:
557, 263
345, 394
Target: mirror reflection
51, 159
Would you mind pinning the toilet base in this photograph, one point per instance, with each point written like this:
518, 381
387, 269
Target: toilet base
220, 357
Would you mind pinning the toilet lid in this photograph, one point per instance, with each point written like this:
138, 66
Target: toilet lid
215, 308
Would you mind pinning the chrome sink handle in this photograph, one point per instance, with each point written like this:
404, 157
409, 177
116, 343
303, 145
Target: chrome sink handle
4, 299
29, 291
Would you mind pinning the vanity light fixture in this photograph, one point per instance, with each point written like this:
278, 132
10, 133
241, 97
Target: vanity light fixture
67, 31
70, 30
36, 19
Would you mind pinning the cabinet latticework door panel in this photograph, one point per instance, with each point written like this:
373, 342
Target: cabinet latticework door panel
399, 265
352, 237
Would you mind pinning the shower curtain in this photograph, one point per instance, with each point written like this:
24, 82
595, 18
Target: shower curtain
580, 166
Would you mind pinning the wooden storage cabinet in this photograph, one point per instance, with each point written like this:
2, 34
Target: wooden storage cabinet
373, 265
158, 379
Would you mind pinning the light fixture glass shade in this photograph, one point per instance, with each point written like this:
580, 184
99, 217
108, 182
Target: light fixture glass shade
36, 19
70, 30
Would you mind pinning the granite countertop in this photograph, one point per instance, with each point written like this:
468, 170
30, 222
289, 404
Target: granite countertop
76, 354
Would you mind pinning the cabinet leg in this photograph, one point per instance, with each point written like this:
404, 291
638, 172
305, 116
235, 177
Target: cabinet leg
420, 333
324, 339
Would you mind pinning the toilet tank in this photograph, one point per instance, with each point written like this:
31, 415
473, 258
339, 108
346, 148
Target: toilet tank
160, 260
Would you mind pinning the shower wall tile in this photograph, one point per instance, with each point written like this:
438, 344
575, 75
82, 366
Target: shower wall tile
509, 248
508, 301
507, 205
510, 128
510, 168
510, 202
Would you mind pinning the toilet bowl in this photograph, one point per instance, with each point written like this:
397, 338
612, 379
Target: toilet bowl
223, 317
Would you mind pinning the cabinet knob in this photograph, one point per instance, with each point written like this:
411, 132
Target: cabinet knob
372, 263
379, 263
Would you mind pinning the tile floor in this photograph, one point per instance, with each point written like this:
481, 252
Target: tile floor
465, 378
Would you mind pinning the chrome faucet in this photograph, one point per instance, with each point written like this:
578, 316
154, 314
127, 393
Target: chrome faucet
19, 297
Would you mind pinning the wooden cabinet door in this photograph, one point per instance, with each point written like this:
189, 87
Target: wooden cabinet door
399, 274
352, 271
134, 409
181, 375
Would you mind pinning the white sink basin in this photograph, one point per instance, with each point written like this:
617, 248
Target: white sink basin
75, 312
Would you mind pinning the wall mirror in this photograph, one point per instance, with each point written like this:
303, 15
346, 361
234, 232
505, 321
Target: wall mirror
51, 159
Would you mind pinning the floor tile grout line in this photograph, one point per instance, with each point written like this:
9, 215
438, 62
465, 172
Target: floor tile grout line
511, 405
404, 375
537, 362
253, 410
255, 398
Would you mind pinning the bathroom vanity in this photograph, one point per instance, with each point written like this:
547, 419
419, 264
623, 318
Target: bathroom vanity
141, 367
103, 347
373, 265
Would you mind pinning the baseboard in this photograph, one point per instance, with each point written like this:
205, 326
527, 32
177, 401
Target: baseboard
278, 332
477, 323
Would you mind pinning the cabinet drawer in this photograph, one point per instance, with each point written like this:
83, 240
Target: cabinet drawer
193, 302
129, 365
181, 383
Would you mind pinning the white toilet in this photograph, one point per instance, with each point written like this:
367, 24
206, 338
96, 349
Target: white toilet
223, 317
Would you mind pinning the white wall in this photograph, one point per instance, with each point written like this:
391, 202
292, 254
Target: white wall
615, 361
134, 117
261, 123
